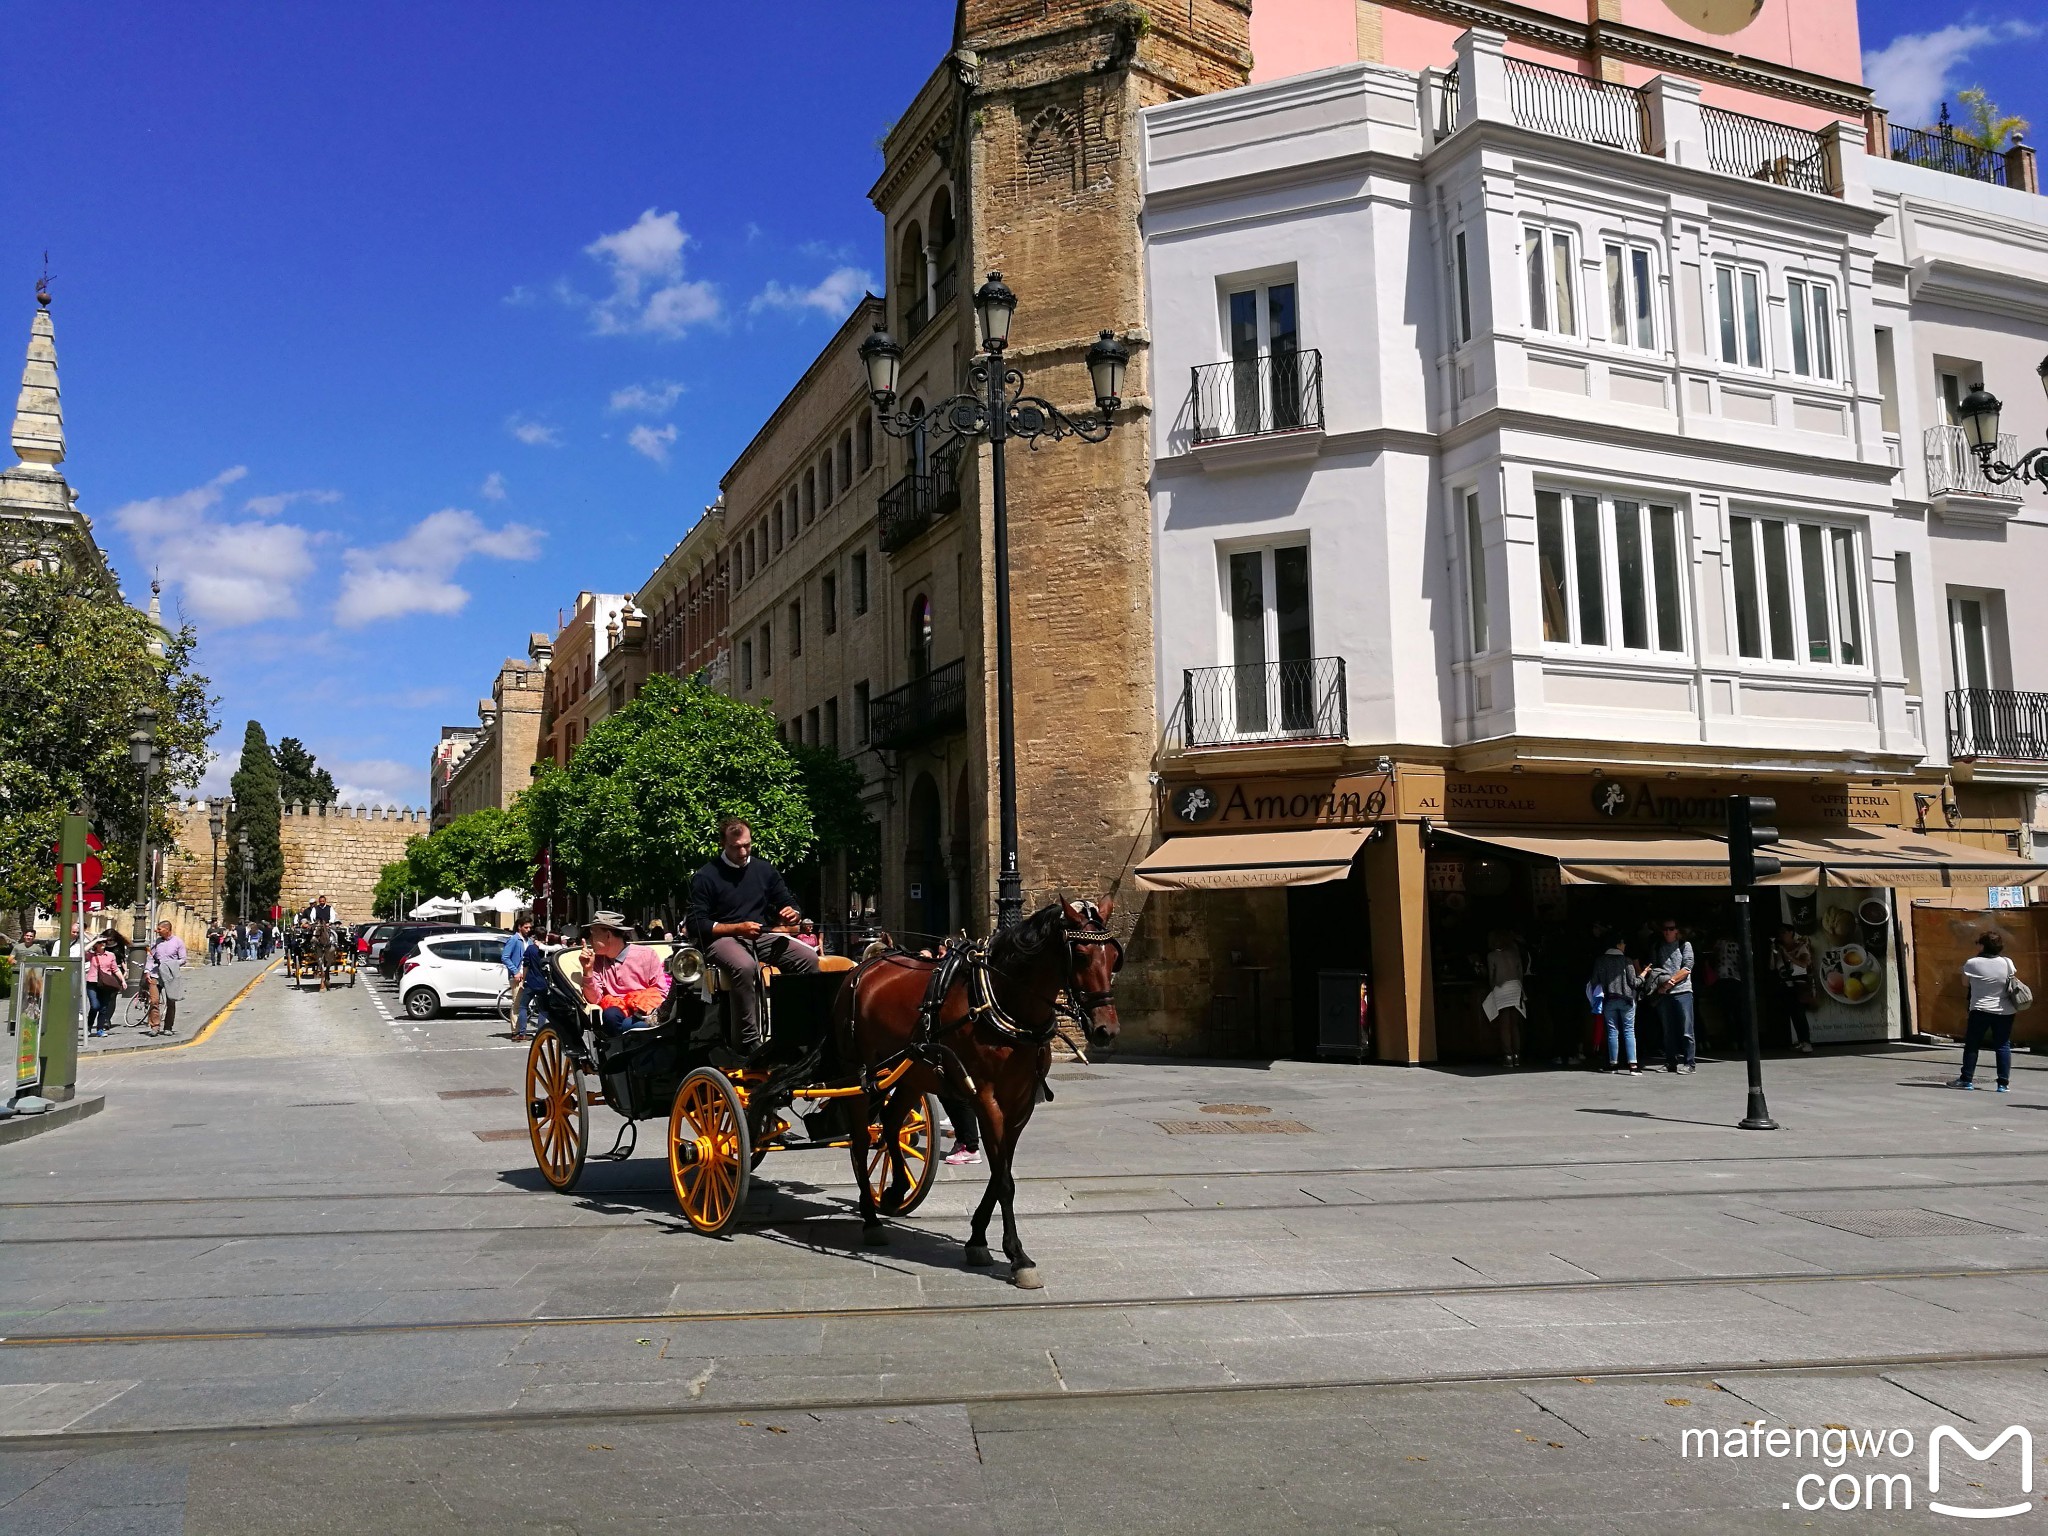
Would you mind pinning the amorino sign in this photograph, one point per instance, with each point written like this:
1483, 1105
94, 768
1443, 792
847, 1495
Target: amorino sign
1259, 805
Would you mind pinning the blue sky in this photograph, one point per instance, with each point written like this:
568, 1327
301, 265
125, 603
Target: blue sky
384, 328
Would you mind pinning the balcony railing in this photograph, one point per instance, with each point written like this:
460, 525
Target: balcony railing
1938, 149
1998, 722
1254, 396
944, 289
915, 502
917, 313
1765, 151
1265, 701
1952, 470
1447, 102
1575, 106
928, 706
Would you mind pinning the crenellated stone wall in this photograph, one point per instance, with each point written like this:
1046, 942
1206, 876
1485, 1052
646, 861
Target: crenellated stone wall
331, 850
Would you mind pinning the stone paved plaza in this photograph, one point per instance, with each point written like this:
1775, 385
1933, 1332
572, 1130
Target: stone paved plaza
295, 1278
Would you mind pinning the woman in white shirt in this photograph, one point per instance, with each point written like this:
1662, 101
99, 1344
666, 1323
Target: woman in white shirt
1987, 975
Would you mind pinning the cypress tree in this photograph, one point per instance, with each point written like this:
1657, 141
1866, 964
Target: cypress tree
255, 788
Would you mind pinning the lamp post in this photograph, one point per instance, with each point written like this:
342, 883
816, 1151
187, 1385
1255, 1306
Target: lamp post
216, 823
995, 407
142, 753
1978, 413
248, 867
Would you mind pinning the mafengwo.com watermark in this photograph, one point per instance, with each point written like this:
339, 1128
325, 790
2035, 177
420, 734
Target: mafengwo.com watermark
1864, 1471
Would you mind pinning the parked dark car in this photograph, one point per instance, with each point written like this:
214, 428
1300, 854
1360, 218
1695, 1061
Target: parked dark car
378, 933
404, 938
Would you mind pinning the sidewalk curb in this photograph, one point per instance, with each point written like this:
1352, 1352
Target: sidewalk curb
20, 1127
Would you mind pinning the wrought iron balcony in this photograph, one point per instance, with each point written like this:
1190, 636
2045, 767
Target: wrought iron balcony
1265, 701
1998, 722
924, 707
917, 313
947, 285
1938, 149
915, 502
1259, 396
1575, 106
1952, 470
1766, 151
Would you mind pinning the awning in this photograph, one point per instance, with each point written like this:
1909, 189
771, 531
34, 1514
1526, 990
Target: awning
1887, 856
1229, 861
1628, 858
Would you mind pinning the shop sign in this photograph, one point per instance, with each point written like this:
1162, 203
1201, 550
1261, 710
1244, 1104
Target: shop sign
1556, 799
1238, 805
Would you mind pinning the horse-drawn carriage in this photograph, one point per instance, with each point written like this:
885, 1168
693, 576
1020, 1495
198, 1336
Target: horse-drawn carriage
319, 952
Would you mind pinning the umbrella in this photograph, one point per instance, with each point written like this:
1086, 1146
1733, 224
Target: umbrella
507, 902
438, 906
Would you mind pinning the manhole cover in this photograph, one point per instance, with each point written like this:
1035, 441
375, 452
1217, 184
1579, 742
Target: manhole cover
1234, 1128
1910, 1223
519, 1135
477, 1093
1236, 1109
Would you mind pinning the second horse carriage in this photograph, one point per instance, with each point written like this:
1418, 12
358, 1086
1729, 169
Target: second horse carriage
793, 1095
319, 952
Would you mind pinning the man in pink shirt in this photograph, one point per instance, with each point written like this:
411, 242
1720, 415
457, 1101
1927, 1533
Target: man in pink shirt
624, 979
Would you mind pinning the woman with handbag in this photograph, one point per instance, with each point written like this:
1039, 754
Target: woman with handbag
1996, 995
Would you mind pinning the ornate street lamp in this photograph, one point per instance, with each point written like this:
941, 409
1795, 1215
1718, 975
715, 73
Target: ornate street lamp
248, 859
995, 407
142, 753
1978, 413
216, 823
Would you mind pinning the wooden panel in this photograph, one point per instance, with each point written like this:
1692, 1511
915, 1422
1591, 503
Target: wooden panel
1944, 937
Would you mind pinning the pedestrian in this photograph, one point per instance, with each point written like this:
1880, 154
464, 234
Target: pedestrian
165, 969
1674, 996
513, 955
534, 980
1504, 1003
657, 932
1991, 977
966, 1131
213, 943
103, 983
1794, 959
1617, 977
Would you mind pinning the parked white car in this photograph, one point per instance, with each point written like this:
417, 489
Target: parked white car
451, 971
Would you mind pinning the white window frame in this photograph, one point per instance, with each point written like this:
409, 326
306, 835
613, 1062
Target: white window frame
1842, 621
1599, 522
1810, 329
1629, 273
1461, 287
1558, 245
1478, 607
1736, 326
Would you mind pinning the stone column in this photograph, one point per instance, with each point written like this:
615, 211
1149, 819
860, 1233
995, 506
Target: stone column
1677, 131
1403, 990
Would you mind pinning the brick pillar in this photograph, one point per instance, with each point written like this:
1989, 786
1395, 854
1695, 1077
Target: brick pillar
2022, 174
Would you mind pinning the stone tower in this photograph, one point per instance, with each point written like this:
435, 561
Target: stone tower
39, 516
1020, 155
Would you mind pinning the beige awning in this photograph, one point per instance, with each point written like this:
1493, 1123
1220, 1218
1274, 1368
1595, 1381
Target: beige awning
1230, 861
1628, 858
1890, 857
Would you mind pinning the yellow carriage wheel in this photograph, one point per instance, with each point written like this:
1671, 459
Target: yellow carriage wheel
918, 1137
557, 1110
710, 1156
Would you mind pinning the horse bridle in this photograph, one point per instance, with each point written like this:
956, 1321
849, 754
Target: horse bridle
1081, 1001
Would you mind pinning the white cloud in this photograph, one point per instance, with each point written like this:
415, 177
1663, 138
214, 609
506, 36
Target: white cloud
224, 573
1910, 75
835, 296
270, 506
220, 771
535, 434
415, 574
520, 297
649, 292
656, 398
493, 488
377, 781
655, 442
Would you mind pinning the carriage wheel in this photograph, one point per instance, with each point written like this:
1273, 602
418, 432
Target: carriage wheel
557, 1111
918, 1136
710, 1155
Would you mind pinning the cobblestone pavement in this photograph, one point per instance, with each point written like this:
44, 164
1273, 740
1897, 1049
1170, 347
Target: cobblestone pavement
298, 1278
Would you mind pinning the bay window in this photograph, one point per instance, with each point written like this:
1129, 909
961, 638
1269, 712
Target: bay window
1631, 296
1610, 571
1798, 591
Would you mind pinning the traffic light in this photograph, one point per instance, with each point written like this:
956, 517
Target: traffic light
1751, 826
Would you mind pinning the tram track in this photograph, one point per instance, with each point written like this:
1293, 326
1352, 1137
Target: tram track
301, 1332
929, 1218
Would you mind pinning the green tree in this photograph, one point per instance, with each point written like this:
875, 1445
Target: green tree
256, 812
832, 785
300, 778
1984, 124
636, 810
76, 666
480, 853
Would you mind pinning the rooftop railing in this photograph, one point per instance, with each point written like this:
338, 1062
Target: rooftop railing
1939, 149
1575, 106
1765, 151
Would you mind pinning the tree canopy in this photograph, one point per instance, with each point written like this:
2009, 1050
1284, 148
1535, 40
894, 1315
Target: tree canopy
300, 778
256, 812
636, 811
1985, 124
481, 853
77, 668
833, 785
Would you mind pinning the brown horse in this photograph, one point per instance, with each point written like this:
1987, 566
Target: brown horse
991, 1044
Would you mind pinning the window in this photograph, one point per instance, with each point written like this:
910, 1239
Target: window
920, 635
1798, 592
767, 651
775, 526
810, 502
811, 726
866, 441
831, 725
1969, 639
860, 714
860, 582
1811, 311
845, 460
1631, 297
1547, 256
1265, 358
796, 629
1475, 575
1738, 300
1464, 288
828, 591
1271, 640
825, 480
1610, 572
747, 664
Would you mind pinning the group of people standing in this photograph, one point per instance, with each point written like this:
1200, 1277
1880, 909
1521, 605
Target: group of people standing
241, 941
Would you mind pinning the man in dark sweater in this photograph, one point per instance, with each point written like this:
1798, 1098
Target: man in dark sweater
732, 901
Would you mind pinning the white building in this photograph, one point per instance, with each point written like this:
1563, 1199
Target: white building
1554, 463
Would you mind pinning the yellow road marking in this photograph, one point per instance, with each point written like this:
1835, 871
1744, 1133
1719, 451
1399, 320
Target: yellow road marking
215, 1022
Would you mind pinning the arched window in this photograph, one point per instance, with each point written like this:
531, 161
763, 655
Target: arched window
913, 307
845, 459
945, 241
920, 636
1052, 150
810, 499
